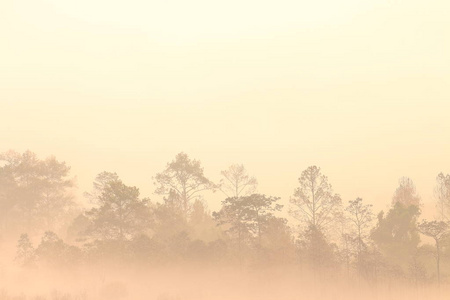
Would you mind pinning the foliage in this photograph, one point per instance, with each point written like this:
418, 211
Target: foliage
396, 234
54, 252
360, 215
442, 193
247, 216
237, 182
436, 230
25, 256
120, 213
122, 228
34, 193
182, 180
406, 193
316, 250
314, 202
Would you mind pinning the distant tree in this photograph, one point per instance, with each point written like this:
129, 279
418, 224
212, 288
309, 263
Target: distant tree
396, 234
51, 247
237, 182
145, 250
201, 224
318, 252
54, 252
347, 241
417, 271
178, 245
436, 230
360, 215
347, 250
8, 197
34, 192
21, 190
247, 218
262, 208
276, 244
99, 185
442, 193
79, 227
236, 215
119, 214
373, 264
314, 202
56, 200
406, 193
25, 256
169, 221
199, 213
182, 180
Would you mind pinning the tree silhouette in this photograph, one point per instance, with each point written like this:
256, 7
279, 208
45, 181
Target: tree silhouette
361, 216
237, 216
120, 213
34, 193
396, 234
437, 230
25, 255
182, 180
237, 182
442, 193
406, 193
314, 202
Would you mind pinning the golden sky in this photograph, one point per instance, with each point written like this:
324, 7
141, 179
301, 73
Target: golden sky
360, 88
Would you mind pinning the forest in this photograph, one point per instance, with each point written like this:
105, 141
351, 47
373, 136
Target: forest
319, 239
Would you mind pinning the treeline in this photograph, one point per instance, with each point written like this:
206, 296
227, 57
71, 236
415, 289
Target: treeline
329, 235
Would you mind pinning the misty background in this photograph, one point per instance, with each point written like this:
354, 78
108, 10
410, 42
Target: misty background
357, 88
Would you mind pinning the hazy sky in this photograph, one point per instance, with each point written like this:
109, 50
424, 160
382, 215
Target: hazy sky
360, 88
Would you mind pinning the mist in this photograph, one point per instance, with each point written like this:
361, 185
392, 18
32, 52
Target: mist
117, 244
238, 150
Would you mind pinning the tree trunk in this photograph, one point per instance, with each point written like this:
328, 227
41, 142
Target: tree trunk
438, 258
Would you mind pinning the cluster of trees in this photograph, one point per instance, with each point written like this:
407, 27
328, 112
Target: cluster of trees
34, 193
248, 229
